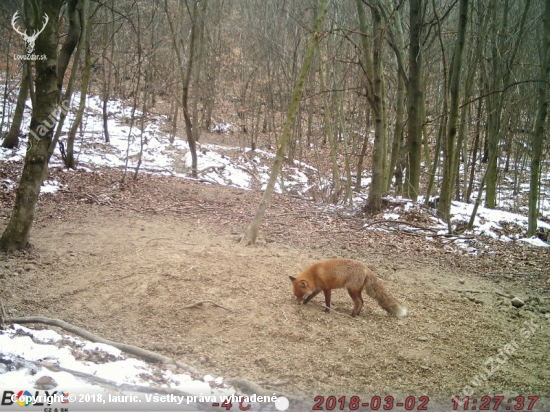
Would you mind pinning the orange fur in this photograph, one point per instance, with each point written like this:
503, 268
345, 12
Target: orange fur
343, 273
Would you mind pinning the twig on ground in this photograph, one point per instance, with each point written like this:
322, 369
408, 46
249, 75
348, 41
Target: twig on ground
193, 305
286, 319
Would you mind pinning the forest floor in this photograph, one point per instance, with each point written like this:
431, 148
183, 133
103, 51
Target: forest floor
124, 261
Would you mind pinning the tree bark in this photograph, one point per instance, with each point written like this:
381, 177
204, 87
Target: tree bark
374, 202
49, 77
414, 108
12, 138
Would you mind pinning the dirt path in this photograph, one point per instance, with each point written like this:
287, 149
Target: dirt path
128, 275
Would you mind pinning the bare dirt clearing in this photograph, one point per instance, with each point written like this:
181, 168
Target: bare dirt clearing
124, 264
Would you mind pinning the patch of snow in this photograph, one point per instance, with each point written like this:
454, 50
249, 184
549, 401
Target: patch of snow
37, 354
534, 241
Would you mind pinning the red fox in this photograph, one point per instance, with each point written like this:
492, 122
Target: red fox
343, 273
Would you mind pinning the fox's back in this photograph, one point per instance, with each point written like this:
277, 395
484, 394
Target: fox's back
338, 273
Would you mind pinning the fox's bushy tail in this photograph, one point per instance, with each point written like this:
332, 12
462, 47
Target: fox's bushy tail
387, 302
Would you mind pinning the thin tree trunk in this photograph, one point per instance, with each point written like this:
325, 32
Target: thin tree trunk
185, 93
479, 195
147, 90
68, 47
12, 138
108, 38
329, 131
399, 128
252, 231
85, 23
442, 132
445, 199
414, 108
185, 74
475, 148
438, 142
398, 46
364, 146
7, 75
462, 143
175, 121
70, 43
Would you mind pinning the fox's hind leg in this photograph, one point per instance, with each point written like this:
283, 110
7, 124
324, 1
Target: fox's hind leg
327, 293
358, 300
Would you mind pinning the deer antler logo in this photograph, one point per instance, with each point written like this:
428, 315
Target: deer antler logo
29, 40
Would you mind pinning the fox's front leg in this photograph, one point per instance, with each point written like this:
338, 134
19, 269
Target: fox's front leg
310, 296
327, 300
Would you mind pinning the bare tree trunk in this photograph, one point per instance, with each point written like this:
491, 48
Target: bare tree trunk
70, 43
399, 129
363, 152
7, 74
185, 93
252, 231
146, 90
108, 39
68, 47
174, 121
398, 45
329, 131
415, 96
48, 82
85, 24
475, 148
373, 68
374, 202
186, 76
445, 199
442, 132
12, 138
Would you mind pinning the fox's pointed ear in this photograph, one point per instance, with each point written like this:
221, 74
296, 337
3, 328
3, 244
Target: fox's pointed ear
292, 278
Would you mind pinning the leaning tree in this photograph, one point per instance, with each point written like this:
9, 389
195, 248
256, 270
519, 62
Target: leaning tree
50, 72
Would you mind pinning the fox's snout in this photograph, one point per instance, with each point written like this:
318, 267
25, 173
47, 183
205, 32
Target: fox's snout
302, 300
